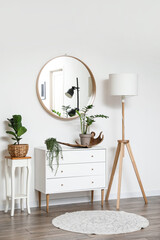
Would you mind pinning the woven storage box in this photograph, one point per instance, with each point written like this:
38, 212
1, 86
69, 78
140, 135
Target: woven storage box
18, 150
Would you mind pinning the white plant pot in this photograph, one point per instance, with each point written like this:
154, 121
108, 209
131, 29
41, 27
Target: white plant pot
85, 138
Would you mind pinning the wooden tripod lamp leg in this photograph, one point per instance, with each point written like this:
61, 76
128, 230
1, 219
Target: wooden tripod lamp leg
120, 174
113, 171
136, 172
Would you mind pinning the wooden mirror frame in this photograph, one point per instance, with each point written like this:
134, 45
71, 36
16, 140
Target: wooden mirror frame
92, 98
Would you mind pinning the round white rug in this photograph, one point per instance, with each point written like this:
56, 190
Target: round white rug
100, 222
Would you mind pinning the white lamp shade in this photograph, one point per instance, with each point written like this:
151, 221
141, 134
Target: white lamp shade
124, 84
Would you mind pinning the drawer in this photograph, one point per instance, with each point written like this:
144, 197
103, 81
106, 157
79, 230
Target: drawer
76, 170
74, 184
82, 156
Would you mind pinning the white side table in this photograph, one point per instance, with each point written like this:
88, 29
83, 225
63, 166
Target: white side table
12, 163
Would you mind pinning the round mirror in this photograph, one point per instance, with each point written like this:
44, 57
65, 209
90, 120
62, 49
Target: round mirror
65, 84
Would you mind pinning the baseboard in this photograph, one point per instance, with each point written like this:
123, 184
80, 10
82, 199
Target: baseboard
135, 194
83, 198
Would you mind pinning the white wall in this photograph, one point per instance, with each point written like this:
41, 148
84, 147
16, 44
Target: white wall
109, 36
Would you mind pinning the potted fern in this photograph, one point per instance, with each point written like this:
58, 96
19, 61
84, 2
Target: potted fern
17, 149
85, 122
54, 151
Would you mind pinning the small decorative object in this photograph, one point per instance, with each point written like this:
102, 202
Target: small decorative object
86, 122
93, 141
16, 149
54, 150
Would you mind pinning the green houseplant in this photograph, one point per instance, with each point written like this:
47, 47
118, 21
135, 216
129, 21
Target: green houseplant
54, 151
17, 149
85, 122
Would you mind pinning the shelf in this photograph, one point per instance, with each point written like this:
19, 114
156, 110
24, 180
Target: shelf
19, 196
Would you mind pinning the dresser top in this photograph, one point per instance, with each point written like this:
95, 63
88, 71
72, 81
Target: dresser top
66, 148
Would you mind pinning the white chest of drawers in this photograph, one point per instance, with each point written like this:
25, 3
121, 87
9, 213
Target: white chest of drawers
80, 170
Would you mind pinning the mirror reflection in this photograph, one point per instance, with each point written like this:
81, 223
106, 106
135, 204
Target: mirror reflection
65, 84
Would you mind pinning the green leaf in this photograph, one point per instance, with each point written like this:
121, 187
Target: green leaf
17, 118
58, 113
14, 139
78, 113
18, 139
21, 131
12, 133
10, 120
87, 108
17, 122
66, 107
89, 121
99, 116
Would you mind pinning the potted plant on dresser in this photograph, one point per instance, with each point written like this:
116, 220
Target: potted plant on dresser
54, 151
86, 122
17, 149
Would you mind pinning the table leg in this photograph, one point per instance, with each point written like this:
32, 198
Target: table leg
47, 201
39, 198
7, 184
92, 195
28, 184
12, 189
102, 197
22, 187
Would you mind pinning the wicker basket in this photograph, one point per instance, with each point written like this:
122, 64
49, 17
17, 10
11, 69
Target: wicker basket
18, 150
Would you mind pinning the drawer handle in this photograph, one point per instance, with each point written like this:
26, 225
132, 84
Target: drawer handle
62, 185
92, 156
92, 182
62, 171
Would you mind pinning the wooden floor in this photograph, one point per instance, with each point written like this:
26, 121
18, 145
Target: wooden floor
38, 225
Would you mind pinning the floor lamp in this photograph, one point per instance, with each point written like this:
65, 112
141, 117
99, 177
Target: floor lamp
123, 85
70, 94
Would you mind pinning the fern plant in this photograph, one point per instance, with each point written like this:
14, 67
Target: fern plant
54, 151
86, 121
